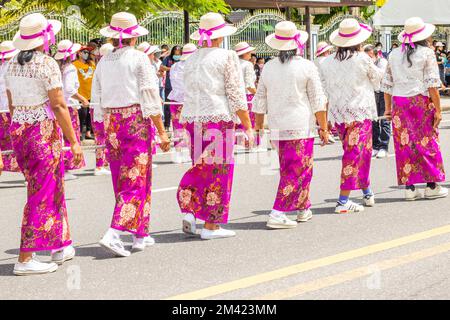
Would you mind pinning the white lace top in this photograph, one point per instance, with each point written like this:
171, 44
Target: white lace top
249, 74
290, 94
382, 64
177, 81
3, 96
213, 86
124, 78
349, 86
405, 81
70, 85
29, 85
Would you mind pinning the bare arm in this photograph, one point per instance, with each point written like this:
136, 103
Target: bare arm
436, 101
10, 105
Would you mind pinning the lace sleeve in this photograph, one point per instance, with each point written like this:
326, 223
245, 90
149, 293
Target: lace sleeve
431, 71
322, 75
314, 90
96, 95
260, 100
234, 84
387, 84
149, 92
249, 77
52, 75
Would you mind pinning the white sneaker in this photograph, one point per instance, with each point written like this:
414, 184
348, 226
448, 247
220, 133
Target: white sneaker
412, 195
115, 245
374, 153
216, 234
139, 244
34, 266
381, 154
331, 139
154, 166
189, 226
59, 257
280, 221
68, 176
349, 207
369, 200
102, 172
437, 192
304, 215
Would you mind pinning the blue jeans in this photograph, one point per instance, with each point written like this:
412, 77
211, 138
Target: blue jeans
381, 130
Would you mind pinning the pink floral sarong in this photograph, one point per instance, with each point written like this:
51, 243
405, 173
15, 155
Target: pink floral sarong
38, 149
296, 170
205, 189
129, 145
179, 129
356, 140
252, 116
9, 161
69, 163
100, 140
417, 150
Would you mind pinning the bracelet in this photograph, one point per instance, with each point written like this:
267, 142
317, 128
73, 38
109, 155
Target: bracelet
324, 130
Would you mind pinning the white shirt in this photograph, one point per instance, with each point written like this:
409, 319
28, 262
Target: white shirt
349, 86
382, 64
248, 72
124, 78
3, 95
213, 86
156, 65
70, 85
29, 85
177, 81
290, 94
403, 80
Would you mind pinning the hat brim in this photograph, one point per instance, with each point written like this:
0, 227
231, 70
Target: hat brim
76, 47
226, 31
23, 45
345, 42
249, 49
425, 34
110, 33
284, 45
327, 48
11, 54
186, 56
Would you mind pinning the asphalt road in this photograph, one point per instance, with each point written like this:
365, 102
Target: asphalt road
396, 250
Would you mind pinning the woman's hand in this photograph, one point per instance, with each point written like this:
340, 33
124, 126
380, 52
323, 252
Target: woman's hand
388, 115
1, 165
77, 153
437, 119
324, 136
250, 137
164, 142
85, 103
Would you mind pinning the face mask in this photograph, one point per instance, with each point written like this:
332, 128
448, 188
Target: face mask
177, 58
85, 56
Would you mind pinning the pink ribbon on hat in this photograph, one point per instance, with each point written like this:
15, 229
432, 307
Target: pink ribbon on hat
4, 53
321, 50
188, 52
121, 31
361, 27
243, 49
43, 34
409, 36
68, 52
205, 34
296, 38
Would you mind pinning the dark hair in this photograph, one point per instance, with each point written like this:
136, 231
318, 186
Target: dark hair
286, 56
125, 42
175, 48
25, 56
410, 50
346, 53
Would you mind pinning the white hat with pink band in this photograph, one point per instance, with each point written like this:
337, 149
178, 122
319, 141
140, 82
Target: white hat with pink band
415, 30
323, 47
287, 37
212, 26
67, 48
188, 50
123, 26
243, 48
350, 33
7, 50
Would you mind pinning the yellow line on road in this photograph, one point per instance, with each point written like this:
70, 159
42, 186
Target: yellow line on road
309, 265
366, 271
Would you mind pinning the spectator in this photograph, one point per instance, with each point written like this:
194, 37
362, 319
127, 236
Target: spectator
168, 62
440, 56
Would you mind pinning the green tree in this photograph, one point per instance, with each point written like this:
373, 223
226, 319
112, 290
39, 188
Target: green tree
98, 13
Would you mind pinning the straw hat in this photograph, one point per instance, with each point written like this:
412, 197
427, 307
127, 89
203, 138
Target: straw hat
188, 49
105, 49
350, 33
323, 47
243, 48
34, 31
415, 30
7, 50
212, 26
67, 48
287, 37
123, 26
147, 48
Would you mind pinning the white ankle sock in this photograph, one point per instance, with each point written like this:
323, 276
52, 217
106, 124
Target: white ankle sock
112, 233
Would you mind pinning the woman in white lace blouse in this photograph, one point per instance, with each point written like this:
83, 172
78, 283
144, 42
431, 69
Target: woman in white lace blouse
349, 76
39, 112
214, 99
412, 100
291, 94
126, 99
